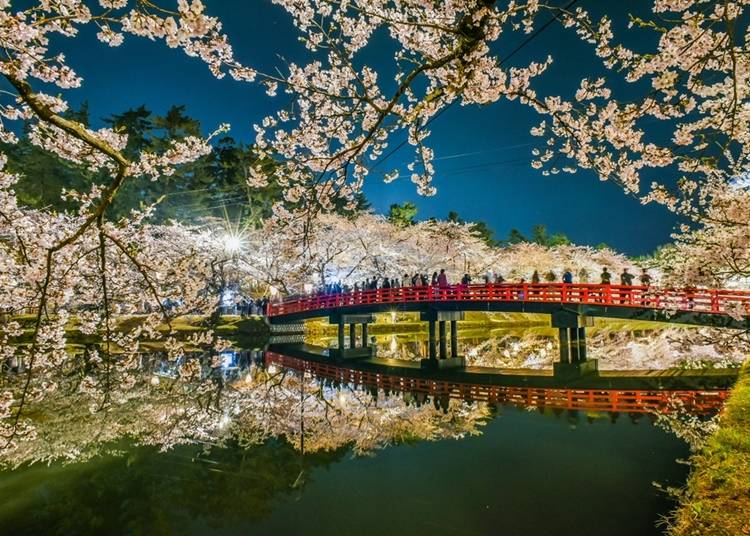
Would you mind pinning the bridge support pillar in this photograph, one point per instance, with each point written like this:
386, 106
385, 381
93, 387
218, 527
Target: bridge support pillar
352, 352
574, 345
564, 346
341, 335
431, 343
441, 360
582, 344
443, 340
454, 338
572, 335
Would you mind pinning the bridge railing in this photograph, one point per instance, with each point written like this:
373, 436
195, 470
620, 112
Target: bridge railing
716, 301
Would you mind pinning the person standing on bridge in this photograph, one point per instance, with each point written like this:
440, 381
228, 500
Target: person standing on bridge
567, 276
626, 280
534, 281
606, 278
442, 279
443, 283
645, 279
465, 282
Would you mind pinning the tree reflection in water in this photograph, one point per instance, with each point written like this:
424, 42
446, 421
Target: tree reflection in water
244, 431
232, 398
239, 398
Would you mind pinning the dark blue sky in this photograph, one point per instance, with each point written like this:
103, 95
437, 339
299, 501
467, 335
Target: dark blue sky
482, 153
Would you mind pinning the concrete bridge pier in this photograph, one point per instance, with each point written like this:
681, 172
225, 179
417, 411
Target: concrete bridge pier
571, 327
454, 338
353, 351
439, 341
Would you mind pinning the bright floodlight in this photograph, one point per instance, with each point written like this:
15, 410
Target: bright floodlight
232, 243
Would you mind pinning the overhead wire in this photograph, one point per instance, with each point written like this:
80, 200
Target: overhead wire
512, 53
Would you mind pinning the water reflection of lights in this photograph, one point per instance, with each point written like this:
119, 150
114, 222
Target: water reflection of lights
228, 360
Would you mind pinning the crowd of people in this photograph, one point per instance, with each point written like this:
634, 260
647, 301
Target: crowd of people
246, 306
440, 280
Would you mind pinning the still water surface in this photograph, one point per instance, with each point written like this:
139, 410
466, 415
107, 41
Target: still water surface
514, 471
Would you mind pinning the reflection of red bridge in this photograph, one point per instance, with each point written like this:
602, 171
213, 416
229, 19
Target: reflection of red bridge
611, 400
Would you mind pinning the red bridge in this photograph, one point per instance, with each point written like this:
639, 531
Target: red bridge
571, 306
727, 303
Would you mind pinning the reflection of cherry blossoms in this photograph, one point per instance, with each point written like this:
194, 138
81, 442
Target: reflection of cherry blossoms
192, 400
616, 349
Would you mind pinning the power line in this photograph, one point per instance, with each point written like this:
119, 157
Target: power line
393, 151
525, 42
234, 190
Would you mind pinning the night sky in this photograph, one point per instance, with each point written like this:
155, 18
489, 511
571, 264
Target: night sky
482, 153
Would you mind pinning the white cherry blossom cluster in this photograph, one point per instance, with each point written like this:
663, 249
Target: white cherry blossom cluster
695, 84
345, 113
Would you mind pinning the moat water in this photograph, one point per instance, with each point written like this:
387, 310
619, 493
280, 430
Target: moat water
294, 453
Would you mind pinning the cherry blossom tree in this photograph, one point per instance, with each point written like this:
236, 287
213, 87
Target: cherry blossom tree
48, 259
350, 250
343, 119
693, 83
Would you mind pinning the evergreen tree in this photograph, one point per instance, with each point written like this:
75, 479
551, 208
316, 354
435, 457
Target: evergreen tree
402, 215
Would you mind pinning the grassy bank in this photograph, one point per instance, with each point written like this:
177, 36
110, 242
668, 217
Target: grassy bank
717, 498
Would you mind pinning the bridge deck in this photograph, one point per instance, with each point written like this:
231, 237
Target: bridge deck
720, 308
